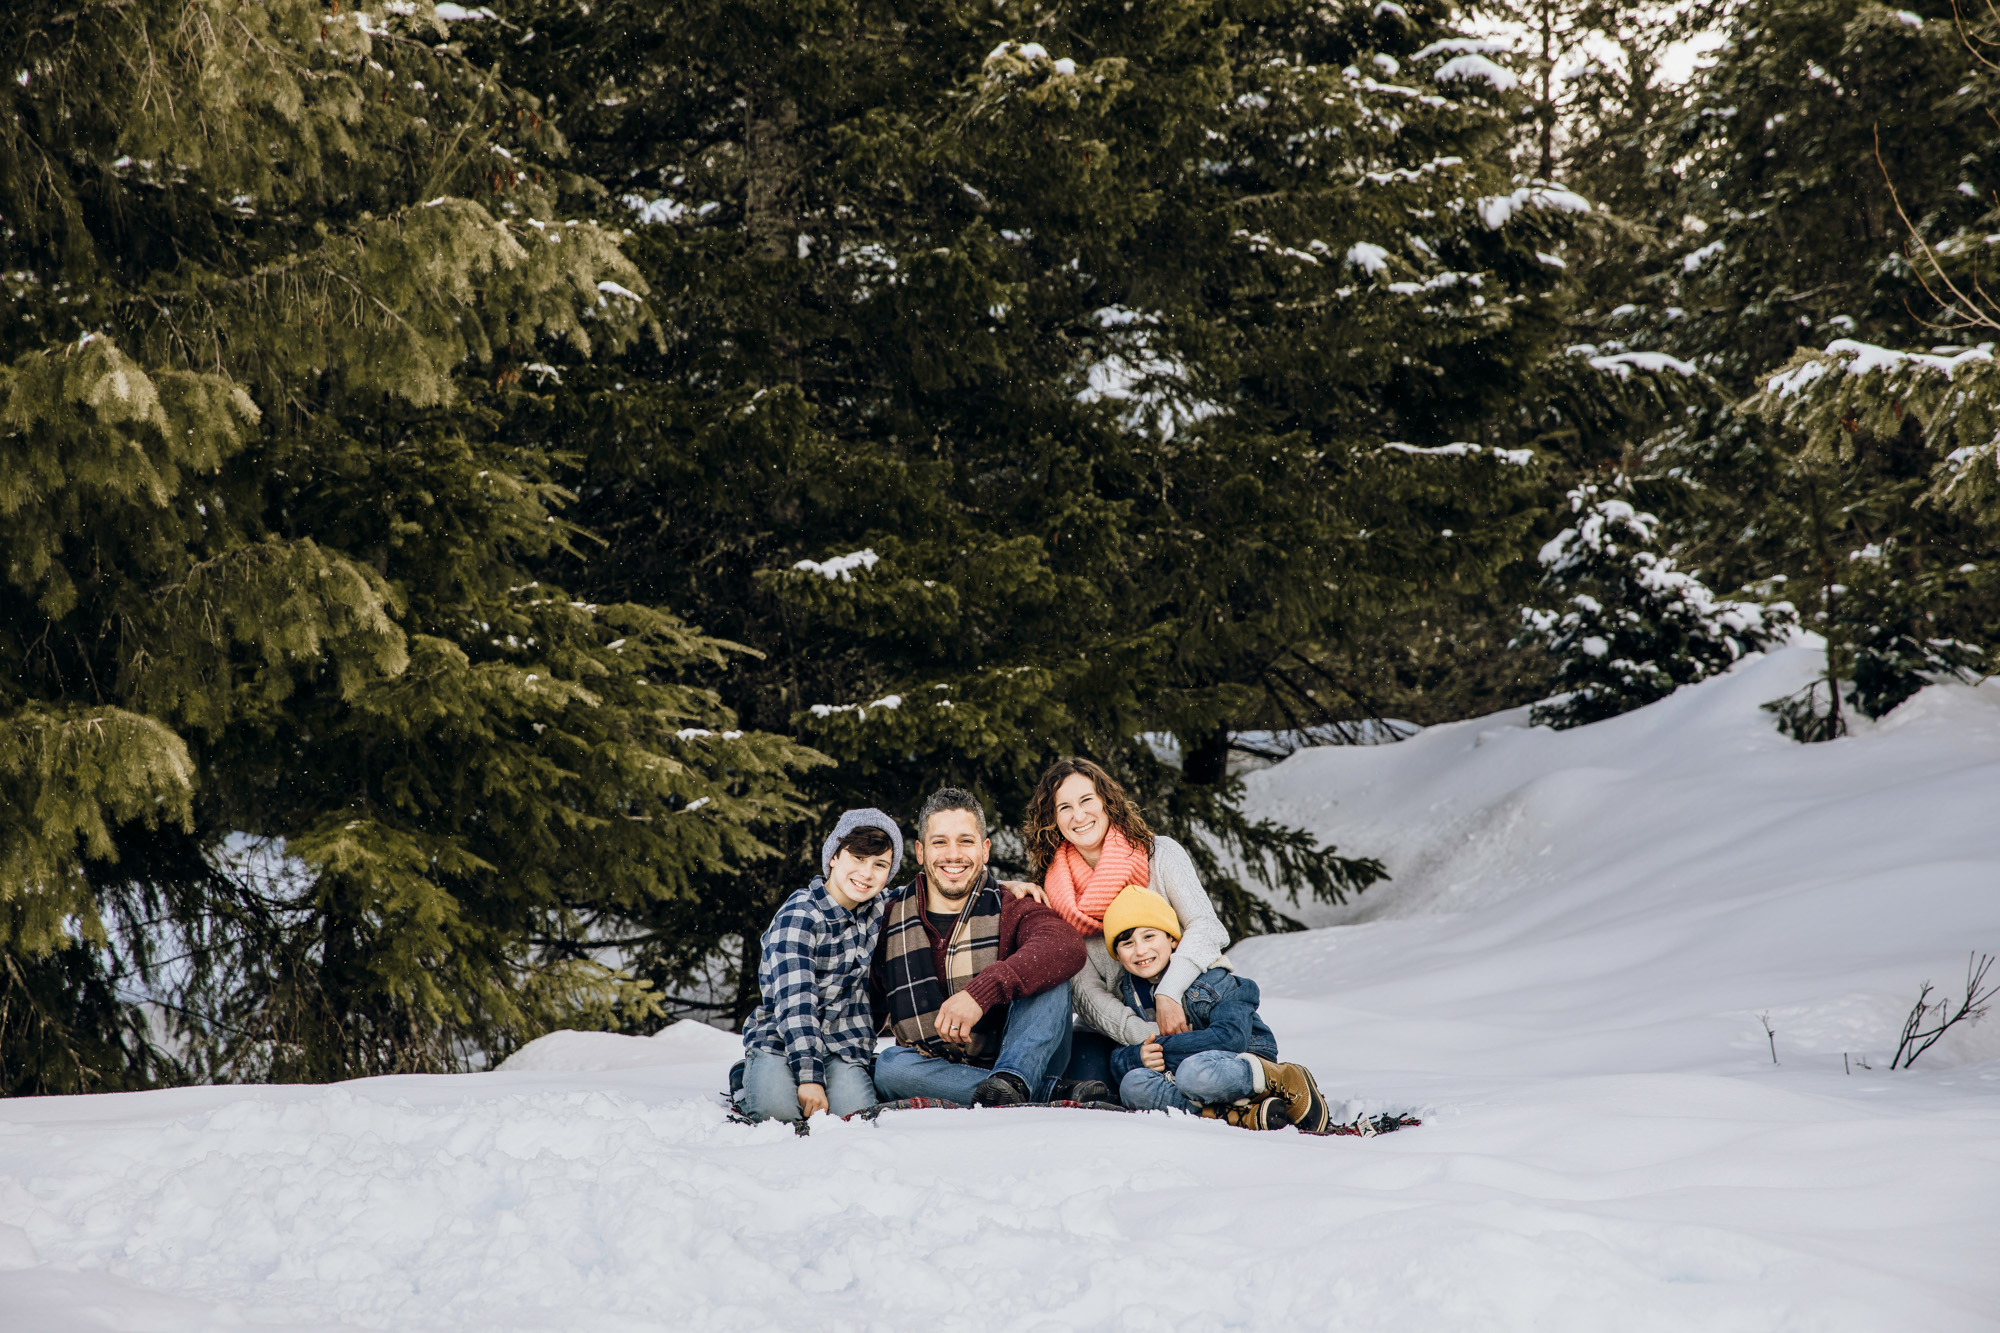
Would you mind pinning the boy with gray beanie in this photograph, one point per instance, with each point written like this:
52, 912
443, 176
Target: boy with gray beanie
810, 1046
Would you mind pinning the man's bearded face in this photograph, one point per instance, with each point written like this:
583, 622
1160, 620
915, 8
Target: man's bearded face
953, 853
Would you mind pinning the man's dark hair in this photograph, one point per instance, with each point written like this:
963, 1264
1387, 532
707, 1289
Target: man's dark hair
866, 841
949, 798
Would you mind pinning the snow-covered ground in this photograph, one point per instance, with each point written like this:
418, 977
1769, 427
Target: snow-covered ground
1565, 979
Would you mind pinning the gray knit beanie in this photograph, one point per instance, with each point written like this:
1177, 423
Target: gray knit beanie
865, 818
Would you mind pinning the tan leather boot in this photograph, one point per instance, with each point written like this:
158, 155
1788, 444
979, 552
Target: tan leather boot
1294, 1083
1266, 1110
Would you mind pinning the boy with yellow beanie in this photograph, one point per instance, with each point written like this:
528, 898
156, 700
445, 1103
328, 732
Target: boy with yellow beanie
1226, 1065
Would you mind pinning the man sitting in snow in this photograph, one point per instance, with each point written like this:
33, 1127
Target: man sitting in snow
972, 980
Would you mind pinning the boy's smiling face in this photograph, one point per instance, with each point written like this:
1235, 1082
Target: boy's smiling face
1145, 952
853, 880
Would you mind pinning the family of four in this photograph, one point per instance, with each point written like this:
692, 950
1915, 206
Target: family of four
1103, 982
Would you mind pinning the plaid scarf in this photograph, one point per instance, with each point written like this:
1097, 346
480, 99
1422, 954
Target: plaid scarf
915, 991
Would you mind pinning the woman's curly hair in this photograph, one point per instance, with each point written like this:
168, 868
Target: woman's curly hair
1044, 839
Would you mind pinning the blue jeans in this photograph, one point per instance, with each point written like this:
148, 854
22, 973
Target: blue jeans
1090, 1057
1205, 1078
1034, 1048
770, 1092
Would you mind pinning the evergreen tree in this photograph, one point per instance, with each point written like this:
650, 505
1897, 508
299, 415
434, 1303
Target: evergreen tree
1590, 114
1768, 221
1032, 372
292, 742
1903, 444
1839, 109
1636, 627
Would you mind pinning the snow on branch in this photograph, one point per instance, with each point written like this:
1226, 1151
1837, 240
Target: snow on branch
1437, 283
1597, 531
1461, 68
889, 701
1463, 46
1012, 56
1495, 210
1693, 260
663, 209
1859, 358
1367, 256
1464, 449
841, 567
1622, 364
1129, 366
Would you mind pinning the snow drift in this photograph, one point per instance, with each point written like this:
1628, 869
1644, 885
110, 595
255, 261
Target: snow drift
1566, 977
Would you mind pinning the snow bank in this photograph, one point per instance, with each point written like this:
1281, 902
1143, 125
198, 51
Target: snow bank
686, 1042
1671, 873
1565, 977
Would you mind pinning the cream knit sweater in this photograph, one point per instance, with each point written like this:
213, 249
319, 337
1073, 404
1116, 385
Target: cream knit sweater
1095, 989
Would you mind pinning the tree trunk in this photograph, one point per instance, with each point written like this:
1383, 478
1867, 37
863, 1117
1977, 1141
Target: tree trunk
770, 196
1206, 761
1547, 110
748, 991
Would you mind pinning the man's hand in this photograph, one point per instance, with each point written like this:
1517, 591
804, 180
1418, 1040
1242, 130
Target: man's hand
812, 1099
1152, 1056
1169, 1015
1021, 888
955, 1018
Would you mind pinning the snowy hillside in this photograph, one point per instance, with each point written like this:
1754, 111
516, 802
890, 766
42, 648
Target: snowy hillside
1565, 978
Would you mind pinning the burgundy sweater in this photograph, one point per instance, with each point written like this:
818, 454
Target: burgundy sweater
1038, 951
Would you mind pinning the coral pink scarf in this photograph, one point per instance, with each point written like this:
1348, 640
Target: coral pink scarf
1081, 892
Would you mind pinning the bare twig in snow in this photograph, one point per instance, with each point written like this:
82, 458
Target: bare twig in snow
1771, 1033
1917, 1038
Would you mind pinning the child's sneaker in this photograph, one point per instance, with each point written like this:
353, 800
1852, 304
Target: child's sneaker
1267, 1111
1308, 1110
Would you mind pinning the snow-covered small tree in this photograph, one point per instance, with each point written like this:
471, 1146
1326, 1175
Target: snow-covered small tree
1634, 627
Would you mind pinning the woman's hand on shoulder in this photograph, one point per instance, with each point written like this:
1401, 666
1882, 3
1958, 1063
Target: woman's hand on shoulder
1022, 888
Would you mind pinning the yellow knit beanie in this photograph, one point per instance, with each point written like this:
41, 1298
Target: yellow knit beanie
1135, 907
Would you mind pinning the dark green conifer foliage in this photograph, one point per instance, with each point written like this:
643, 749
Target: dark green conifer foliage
1064, 341
1765, 221
292, 742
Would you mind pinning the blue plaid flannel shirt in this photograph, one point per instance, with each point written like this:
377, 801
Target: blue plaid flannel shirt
814, 975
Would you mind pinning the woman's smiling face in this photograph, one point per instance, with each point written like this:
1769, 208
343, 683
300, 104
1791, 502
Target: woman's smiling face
1080, 813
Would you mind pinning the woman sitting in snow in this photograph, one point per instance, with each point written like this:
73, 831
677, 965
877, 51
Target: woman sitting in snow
1087, 843
810, 1046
